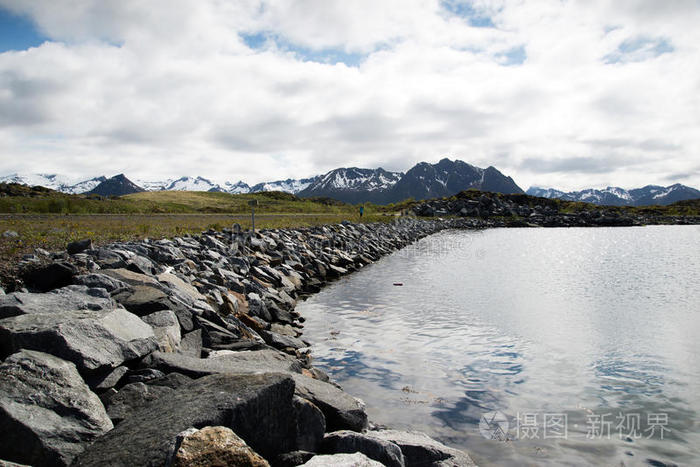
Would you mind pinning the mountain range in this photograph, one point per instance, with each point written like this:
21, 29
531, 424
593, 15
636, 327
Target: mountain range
616, 196
348, 184
356, 185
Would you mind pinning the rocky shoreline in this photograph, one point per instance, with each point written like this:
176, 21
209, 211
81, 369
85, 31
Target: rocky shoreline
189, 352
494, 210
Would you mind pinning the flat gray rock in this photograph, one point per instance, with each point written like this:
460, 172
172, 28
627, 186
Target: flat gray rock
48, 414
342, 460
176, 283
130, 277
93, 340
258, 408
74, 297
249, 361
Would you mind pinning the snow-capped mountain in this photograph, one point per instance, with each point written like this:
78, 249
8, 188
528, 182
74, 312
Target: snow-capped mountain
353, 185
289, 185
236, 188
616, 196
194, 184
54, 182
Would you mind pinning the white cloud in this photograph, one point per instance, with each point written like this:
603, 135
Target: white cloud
167, 88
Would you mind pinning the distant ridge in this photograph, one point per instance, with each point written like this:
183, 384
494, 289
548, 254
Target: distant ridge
615, 196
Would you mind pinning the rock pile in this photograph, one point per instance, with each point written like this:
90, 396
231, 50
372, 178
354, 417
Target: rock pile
493, 209
189, 352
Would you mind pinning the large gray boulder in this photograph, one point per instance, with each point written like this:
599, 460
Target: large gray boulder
166, 329
342, 411
348, 442
342, 460
47, 413
93, 340
131, 398
258, 408
421, 450
74, 297
250, 361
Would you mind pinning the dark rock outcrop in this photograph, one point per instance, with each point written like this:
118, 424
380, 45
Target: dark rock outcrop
342, 411
48, 415
258, 408
380, 450
420, 450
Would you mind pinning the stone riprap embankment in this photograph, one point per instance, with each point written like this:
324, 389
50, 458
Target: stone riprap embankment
492, 209
189, 352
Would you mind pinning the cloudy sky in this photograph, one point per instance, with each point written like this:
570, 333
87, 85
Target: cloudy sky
569, 94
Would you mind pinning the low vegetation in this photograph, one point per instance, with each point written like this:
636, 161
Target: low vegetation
47, 219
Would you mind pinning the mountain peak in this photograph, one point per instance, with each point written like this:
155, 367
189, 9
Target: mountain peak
118, 185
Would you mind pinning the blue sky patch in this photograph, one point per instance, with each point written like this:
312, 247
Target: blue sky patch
511, 57
465, 9
330, 56
639, 49
17, 32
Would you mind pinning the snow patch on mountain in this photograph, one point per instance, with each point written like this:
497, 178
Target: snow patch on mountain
289, 185
616, 196
54, 181
193, 184
237, 187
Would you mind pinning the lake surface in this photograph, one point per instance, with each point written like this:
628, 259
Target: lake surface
527, 346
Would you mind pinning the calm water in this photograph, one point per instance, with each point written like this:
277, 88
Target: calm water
590, 334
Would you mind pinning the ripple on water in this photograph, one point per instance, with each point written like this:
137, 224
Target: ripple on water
581, 322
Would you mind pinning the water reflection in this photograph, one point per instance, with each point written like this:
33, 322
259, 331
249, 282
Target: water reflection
527, 322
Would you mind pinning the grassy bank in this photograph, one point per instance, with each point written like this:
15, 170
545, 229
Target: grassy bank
47, 219
53, 232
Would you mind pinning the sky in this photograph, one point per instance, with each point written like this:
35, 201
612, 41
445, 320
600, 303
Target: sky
564, 94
